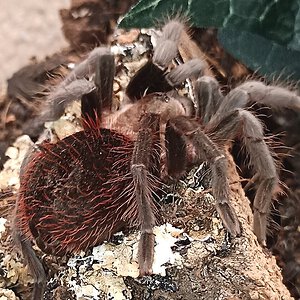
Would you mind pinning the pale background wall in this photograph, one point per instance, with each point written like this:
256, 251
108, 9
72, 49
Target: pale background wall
28, 28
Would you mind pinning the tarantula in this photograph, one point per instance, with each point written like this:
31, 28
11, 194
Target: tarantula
77, 192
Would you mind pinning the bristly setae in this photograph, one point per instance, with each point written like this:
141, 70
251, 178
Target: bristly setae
79, 191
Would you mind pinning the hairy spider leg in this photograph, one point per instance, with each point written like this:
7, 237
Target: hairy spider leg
154, 75
208, 97
229, 122
227, 119
100, 99
244, 125
194, 146
34, 264
145, 158
151, 77
144, 165
21, 240
74, 86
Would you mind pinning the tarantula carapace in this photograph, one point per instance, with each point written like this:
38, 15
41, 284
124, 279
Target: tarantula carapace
77, 192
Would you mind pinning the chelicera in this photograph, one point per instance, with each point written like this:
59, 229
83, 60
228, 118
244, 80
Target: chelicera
77, 192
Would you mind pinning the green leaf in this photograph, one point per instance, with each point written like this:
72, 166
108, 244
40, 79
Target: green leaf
260, 54
277, 20
146, 13
264, 34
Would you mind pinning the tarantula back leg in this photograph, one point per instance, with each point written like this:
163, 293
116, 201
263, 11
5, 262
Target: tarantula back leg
244, 125
23, 243
34, 264
144, 165
185, 138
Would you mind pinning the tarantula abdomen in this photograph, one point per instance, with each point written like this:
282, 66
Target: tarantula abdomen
79, 192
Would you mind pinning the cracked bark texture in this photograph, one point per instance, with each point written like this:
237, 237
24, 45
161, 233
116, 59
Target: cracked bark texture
213, 265
218, 268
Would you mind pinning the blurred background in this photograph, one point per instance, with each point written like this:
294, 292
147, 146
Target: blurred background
30, 28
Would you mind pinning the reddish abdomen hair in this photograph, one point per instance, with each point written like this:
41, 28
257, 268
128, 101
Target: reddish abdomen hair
78, 192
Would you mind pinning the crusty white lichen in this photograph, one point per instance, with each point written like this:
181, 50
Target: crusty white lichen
102, 272
9, 176
6, 294
2, 225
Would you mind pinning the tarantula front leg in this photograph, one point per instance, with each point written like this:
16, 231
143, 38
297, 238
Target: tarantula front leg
144, 165
154, 76
187, 145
